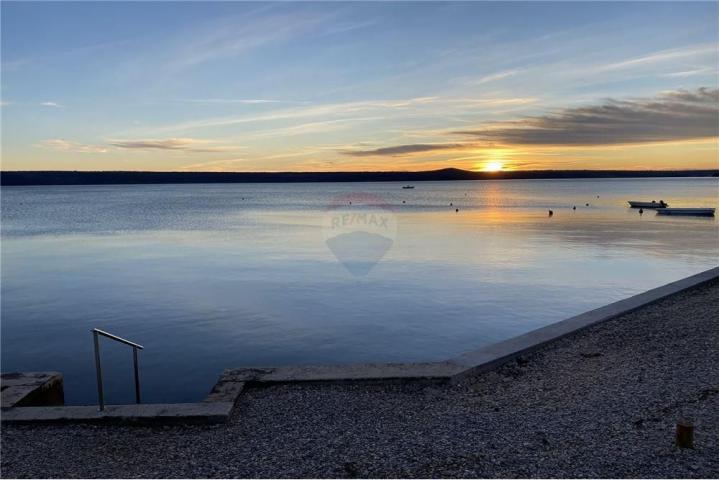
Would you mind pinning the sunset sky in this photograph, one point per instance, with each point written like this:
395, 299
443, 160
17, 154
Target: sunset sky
349, 86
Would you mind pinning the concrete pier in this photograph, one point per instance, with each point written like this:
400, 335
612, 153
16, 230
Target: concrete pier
31, 389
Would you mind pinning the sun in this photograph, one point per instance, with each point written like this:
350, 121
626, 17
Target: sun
493, 167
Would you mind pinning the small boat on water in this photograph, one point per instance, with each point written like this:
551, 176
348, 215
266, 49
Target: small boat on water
652, 204
407, 187
697, 212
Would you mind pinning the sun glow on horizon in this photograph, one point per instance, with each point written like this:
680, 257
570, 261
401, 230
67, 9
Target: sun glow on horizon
493, 167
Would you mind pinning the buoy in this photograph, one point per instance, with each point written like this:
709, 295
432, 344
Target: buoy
403, 201
574, 207
551, 213
587, 204
456, 209
450, 204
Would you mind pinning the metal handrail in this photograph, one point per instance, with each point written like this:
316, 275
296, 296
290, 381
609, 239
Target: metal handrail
96, 332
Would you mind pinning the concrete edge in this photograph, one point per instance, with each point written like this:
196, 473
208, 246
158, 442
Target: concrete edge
492, 356
431, 372
469, 363
31, 389
218, 406
142, 414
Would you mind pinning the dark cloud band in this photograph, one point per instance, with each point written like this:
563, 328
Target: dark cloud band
404, 149
671, 116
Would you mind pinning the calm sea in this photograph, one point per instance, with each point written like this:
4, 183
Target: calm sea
209, 277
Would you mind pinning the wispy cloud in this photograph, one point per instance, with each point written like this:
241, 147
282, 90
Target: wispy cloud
183, 144
693, 72
491, 102
400, 150
669, 116
235, 36
324, 110
51, 104
492, 77
173, 144
72, 146
244, 101
310, 128
661, 56
350, 111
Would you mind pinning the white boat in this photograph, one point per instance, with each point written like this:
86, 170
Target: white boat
701, 212
652, 204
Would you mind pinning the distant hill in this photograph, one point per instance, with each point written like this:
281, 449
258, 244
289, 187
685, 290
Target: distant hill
109, 178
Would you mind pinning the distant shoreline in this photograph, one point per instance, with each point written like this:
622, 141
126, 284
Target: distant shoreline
28, 178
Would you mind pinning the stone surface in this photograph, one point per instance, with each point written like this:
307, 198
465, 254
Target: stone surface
31, 389
225, 391
361, 372
203, 412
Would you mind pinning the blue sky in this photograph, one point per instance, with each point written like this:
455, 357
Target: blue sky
354, 86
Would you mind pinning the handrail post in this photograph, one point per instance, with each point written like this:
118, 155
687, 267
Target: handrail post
137, 375
98, 372
98, 369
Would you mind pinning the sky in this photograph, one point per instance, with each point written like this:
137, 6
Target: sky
300, 86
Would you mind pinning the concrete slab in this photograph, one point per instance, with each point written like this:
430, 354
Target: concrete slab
467, 364
31, 389
225, 391
203, 412
435, 372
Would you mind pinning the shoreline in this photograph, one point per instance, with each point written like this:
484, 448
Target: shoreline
61, 177
219, 405
600, 402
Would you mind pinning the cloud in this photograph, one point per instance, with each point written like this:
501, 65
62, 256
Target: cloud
244, 101
669, 116
168, 144
313, 128
51, 104
493, 77
183, 144
662, 56
323, 110
405, 149
71, 146
231, 37
174, 144
693, 72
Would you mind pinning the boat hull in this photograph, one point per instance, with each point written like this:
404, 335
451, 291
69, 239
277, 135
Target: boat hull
697, 212
656, 205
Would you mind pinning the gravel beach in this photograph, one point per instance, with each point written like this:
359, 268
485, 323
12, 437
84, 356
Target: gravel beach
601, 403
